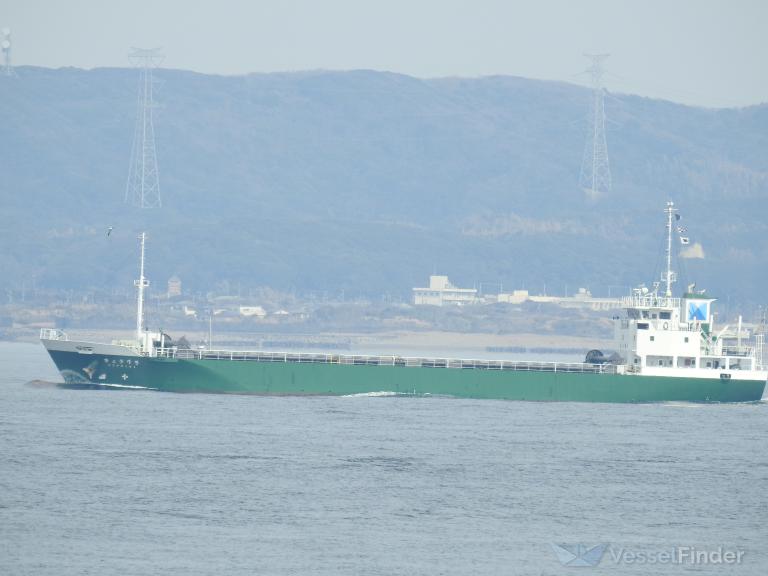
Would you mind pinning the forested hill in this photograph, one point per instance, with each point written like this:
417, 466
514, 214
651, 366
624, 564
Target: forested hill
367, 182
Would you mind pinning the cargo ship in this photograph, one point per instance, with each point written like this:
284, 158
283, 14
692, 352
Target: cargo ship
666, 350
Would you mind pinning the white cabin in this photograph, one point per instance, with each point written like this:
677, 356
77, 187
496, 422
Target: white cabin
661, 333
665, 336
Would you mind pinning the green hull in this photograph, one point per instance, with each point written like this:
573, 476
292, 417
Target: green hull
293, 378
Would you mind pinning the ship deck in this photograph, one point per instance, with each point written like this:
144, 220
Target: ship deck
402, 361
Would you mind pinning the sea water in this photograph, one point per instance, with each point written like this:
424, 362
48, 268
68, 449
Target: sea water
141, 482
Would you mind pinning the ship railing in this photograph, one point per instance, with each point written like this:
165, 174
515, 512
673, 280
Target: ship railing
401, 361
659, 324
649, 301
744, 351
53, 334
760, 356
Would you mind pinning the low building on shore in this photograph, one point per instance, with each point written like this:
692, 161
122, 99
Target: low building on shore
174, 287
252, 311
582, 299
441, 292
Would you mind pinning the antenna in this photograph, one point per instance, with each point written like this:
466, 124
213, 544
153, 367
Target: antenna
5, 46
143, 188
141, 284
595, 176
670, 276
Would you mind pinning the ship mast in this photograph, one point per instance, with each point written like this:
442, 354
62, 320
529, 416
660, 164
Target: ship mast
141, 283
670, 275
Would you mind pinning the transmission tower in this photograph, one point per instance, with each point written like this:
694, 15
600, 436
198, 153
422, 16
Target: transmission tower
5, 45
595, 177
143, 189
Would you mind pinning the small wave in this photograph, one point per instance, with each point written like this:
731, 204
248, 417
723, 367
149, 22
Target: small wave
710, 404
370, 394
127, 386
387, 462
684, 404
41, 384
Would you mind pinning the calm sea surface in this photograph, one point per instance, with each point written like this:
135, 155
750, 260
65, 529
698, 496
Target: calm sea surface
134, 483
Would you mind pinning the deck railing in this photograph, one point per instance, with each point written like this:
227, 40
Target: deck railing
738, 351
650, 300
402, 361
53, 334
658, 324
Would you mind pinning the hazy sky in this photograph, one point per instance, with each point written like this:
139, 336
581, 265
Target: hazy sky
704, 52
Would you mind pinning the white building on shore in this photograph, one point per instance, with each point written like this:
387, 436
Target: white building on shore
582, 299
441, 292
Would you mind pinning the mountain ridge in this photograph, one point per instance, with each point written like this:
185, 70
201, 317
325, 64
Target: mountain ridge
368, 181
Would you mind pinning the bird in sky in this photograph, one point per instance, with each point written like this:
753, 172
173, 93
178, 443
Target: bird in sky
109, 232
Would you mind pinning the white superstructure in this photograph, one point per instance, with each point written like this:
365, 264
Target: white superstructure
665, 336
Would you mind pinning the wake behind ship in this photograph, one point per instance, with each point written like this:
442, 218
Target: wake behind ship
666, 349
